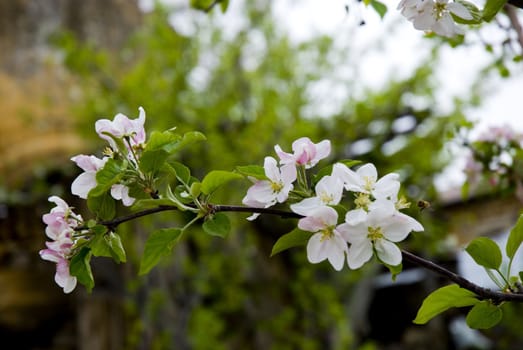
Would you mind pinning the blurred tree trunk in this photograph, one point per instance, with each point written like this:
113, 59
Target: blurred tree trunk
37, 132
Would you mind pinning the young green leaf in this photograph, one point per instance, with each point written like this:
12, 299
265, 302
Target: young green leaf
379, 7
152, 161
473, 10
515, 238
158, 245
183, 174
294, 238
188, 138
443, 299
485, 252
144, 204
111, 173
103, 206
484, 315
216, 178
116, 247
255, 171
492, 7
217, 225
80, 267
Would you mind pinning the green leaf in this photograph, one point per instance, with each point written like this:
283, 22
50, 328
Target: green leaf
492, 7
144, 204
217, 225
515, 238
183, 174
161, 141
80, 267
103, 206
256, 171
158, 245
485, 252
111, 173
473, 10
188, 138
484, 315
115, 244
443, 299
152, 161
216, 178
294, 238
379, 7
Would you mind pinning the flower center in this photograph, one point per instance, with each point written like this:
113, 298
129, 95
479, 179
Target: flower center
327, 233
276, 186
439, 10
402, 203
362, 201
326, 197
374, 233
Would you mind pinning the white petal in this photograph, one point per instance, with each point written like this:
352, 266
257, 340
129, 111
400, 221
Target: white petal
316, 251
388, 252
336, 254
459, 10
84, 183
359, 254
356, 216
307, 206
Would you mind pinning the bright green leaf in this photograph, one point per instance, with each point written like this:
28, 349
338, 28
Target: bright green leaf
255, 171
379, 7
152, 161
443, 299
492, 7
80, 267
217, 225
473, 10
188, 138
115, 244
484, 315
216, 178
485, 252
103, 206
144, 204
111, 173
158, 245
183, 174
515, 238
294, 238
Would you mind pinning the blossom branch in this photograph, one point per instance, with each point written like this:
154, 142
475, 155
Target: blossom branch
482, 293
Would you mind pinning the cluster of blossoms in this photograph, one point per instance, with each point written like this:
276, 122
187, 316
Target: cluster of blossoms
126, 138
61, 223
435, 15
375, 225
495, 155
132, 133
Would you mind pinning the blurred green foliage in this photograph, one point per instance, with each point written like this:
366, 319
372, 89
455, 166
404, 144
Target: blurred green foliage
246, 94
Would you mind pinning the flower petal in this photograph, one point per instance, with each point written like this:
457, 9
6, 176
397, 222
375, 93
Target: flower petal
359, 253
388, 252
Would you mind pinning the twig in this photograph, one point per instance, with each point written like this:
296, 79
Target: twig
512, 14
482, 293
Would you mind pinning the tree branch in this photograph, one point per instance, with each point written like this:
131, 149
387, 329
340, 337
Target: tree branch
482, 293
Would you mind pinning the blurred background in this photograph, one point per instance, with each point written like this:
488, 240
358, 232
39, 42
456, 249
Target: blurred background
252, 77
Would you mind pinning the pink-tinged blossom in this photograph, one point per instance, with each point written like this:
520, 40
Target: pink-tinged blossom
365, 180
327, 242
265, 193
379, 233
328, 192
121, 126
305, 152
61, 222
86, 181
436, 16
